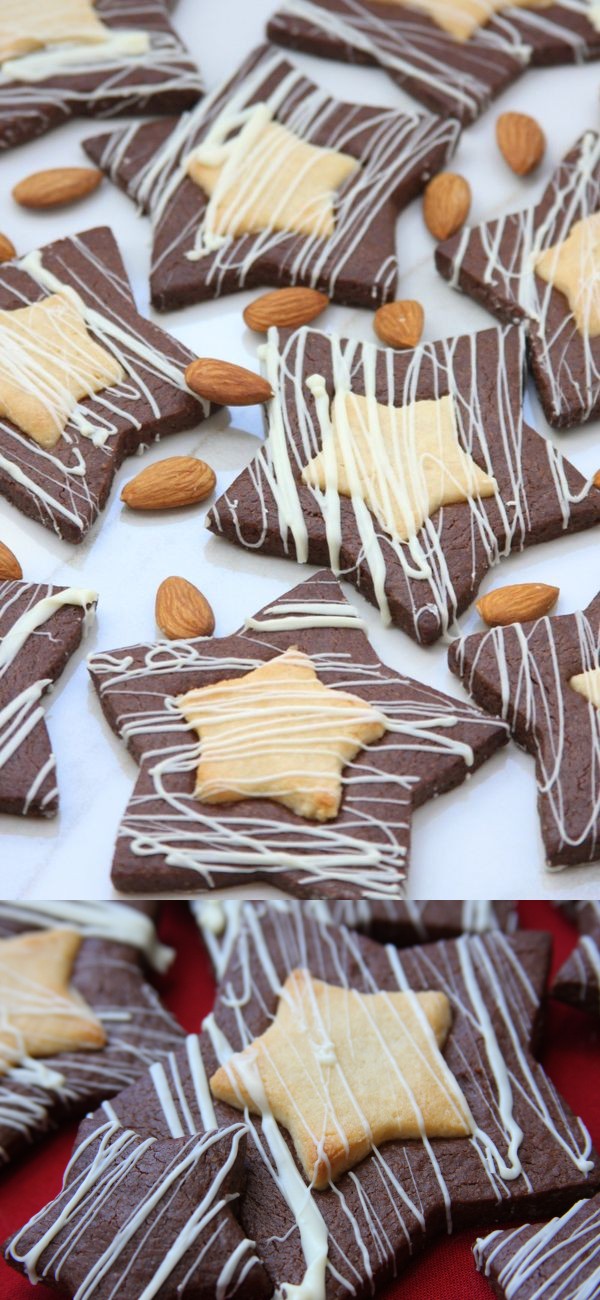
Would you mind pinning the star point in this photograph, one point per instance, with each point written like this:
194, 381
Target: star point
40, 1013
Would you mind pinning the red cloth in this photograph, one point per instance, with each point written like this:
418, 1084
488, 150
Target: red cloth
570, 1056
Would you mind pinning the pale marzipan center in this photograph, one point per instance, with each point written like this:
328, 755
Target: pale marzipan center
573, 267
403, 462
278, 733
588, 685
267, 178
339, 1103
40, 1013
27, 25
462, 18
49, 362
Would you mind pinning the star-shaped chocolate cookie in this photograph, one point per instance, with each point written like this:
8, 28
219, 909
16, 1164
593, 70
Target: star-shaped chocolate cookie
527, 674
40, 628
528, 1151
138, 1217
519, 267
106, 973
411, 473
89, 58
173, 838
556, 1259
404, 924
59, 452
447, 55
271, 181
578, 980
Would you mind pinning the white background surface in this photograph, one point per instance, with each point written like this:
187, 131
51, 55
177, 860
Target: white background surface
480, 841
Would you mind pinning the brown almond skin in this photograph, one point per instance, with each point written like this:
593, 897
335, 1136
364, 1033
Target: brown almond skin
57, 187
399, 324
446, 204
7, 249
226, 384
597, 479
520, 603
10, 569
285, 308
521, 142
182, 612
174, 481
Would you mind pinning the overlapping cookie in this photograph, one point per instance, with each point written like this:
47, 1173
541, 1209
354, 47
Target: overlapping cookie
540, 266
271, 181
139, 1217
454, 57
84, 380
79, 1020
559, 1260
404, 924
578, 980
40, 628
543, 679
410, 473
89, 58
285, 753
358, 1162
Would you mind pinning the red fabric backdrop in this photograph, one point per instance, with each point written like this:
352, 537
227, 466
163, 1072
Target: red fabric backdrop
571, 1056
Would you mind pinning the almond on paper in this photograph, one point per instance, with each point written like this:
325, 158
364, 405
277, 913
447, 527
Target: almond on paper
57, 186
520, 603
226, 384
10, 569
174, 481
521, 142
285, 308
182, 612
399, 324
446, 204
7, 249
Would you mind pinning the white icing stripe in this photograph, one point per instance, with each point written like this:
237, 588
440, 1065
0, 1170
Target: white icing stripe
122, 47
14, 640
114, 921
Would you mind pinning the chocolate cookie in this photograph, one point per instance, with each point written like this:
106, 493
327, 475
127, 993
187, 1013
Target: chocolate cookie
106, 973
140, 1217
540, 677
58, 461
98, 58
559, 1260
528, 1155
129, 923
263, 826
309, 196
578, 980
411, 473
40, 628
403, 924
559, 33
456, 77
514, 266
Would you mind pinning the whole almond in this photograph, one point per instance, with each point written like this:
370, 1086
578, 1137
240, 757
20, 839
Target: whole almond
286, 308
517, 604
10, 569
7, 249
182, 611
446, 204
56, 187
521, 142
226, 384
174, 481
399, 324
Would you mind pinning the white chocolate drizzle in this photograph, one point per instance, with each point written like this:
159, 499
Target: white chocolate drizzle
558, 1261
115, 921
